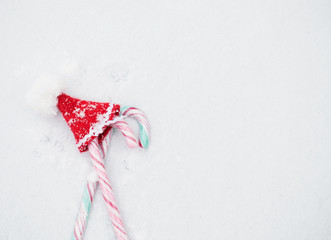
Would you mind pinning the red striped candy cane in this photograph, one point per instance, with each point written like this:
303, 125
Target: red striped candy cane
84, 209
88, 195
106, 190
125, 129
101, 149
139, 116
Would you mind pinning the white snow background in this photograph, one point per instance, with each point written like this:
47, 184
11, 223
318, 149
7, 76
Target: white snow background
238, 96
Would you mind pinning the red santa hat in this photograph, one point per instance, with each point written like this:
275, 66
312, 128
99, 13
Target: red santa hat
86, 119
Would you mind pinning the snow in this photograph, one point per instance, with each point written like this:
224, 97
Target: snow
238, 96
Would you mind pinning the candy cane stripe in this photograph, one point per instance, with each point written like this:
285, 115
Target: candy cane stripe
75, 233
127, 133
106, 190
90, 192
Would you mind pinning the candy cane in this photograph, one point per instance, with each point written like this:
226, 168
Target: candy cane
107, 192
88, 195
139, 116
104, 145
84, 209
127, 133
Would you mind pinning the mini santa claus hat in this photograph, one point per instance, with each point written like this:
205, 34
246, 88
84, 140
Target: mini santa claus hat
86, 119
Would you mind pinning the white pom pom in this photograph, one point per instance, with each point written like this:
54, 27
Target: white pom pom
43, 95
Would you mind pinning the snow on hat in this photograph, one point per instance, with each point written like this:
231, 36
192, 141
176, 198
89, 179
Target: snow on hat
86, 119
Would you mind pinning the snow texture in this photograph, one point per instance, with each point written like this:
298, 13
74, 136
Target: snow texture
238, 95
